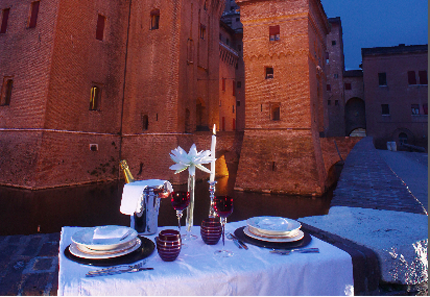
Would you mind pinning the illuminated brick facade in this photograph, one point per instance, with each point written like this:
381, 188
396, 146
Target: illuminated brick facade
284, 48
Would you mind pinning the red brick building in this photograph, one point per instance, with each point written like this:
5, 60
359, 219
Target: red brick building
284, 48
85, 82
396, 94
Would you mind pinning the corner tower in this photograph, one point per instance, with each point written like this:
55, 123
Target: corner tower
284, 45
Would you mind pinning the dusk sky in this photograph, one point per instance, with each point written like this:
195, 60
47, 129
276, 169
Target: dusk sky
375, 23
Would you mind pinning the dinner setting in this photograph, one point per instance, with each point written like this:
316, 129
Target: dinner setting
262, 255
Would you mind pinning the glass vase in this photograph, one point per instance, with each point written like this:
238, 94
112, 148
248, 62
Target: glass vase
190, 209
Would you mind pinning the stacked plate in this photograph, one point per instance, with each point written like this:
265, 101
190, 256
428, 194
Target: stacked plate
104, 242
273, 229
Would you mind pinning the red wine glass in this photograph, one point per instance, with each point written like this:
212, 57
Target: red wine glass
223, 206
180, 201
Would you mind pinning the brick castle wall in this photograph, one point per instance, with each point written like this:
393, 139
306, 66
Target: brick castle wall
283, 153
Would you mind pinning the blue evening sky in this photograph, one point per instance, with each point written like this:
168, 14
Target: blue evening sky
375, 23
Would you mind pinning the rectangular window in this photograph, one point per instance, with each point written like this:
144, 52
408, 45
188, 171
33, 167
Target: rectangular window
95, 98
33, 14
328, 87
237, 103
348, 86
239, 84
328, 102
411, 78
425, 108
423, 77
333, 42
385, 109
232, 108
4, 18
6, 91
415, 109
155, 19
336, 102
276, 112
335, 75
234, 88
327, 58
274, 33
100, 27
382, 77
269, 72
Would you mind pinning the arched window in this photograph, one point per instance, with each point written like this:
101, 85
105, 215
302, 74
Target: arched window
95, 98
155, 19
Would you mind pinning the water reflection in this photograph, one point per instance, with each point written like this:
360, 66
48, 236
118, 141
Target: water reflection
46, 211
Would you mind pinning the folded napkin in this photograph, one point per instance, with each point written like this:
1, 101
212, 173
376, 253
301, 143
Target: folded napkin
110, 232
133, 191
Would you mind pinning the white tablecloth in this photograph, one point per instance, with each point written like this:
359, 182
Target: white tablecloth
198, 272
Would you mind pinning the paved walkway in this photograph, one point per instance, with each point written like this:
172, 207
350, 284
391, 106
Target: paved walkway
370, 179
412, 169
386, 180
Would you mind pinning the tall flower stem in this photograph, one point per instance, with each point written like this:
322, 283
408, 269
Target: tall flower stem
190, 209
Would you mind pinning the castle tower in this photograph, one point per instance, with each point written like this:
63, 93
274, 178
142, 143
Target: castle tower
284, 45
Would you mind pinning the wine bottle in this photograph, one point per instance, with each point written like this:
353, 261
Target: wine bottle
127, 174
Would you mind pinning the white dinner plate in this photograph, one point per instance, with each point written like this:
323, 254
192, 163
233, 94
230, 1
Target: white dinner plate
86, 253
255, 231
300, 235
273, 225
85, 237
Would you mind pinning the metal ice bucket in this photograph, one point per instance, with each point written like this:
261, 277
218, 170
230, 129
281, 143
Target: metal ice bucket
145, 219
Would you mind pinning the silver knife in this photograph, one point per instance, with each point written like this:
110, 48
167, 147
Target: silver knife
239, 241
112, 272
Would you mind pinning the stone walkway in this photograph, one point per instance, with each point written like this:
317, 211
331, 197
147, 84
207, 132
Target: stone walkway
368, 182
29, 264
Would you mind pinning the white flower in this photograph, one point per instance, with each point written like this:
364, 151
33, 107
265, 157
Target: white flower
191, 160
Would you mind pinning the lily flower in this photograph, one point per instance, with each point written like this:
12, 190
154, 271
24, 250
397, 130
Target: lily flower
191, 160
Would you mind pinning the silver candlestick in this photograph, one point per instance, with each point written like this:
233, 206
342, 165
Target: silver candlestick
212, 213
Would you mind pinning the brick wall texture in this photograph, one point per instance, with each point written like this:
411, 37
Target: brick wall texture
158, 86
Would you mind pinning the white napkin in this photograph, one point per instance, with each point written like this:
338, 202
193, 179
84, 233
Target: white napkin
133, 191
110, 232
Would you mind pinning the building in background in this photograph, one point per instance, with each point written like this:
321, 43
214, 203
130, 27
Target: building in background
335, 67
284, 50
396, 94
355, 117
85, 83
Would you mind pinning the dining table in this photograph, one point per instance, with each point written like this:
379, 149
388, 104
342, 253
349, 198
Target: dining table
199, 271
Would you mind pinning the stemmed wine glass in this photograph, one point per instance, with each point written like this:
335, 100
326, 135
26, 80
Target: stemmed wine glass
180, 201
223, 206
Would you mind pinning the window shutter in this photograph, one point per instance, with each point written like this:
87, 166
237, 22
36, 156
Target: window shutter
274, 30
411, 78
423, 77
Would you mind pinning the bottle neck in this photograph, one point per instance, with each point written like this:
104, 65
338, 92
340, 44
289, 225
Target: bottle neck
127, 174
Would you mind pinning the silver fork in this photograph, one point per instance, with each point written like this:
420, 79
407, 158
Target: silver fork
287, 252
116, 268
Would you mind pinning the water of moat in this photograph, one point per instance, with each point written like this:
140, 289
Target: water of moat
46, 211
